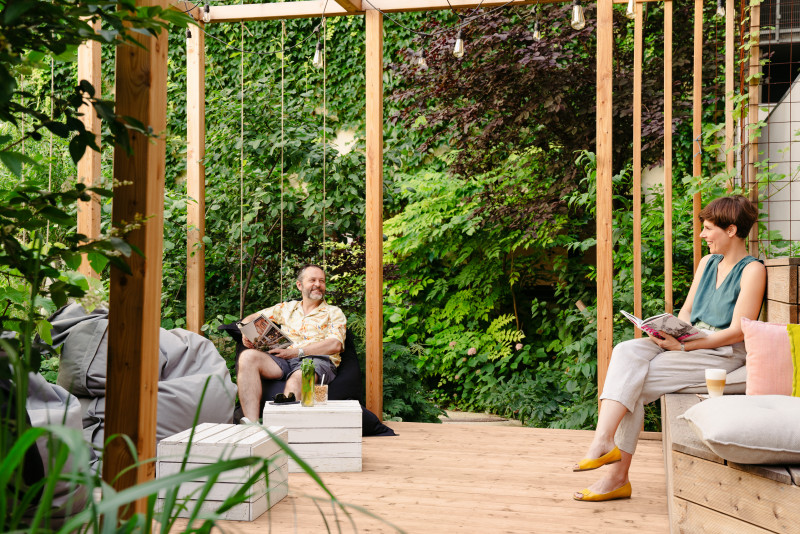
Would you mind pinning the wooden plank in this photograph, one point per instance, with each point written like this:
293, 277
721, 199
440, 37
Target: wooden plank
697, 130
89, 169
195, 179
795, 472
278, 466
318, 8
605, 261
246, 511
638, 48
682, 437
666, 418
775, 473
351, 6
780, 312
751, 498
783, 260
135, 299
327, 464
691, 517
374, 212
668, 299
782, 283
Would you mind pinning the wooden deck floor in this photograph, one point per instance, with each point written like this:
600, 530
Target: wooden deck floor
467, 478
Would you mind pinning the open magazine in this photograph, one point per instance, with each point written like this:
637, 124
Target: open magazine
665, 322
264, 334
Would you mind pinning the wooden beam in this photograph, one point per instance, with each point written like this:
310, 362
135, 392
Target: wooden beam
135, 299
317, 8
638, 51
374, 215
195, 179
697, 129
605, 259
668, 302
351, 6
730, 13
89, 172
752, 117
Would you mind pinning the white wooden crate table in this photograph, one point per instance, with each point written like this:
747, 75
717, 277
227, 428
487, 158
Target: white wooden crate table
327, 437
214, 442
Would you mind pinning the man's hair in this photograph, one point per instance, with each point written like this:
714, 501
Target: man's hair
726, 211
302, 270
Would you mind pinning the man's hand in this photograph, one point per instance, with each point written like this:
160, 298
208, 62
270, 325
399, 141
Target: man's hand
286, 354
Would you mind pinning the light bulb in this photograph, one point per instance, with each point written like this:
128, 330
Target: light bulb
318, 60
421, 59
720, 9
206, 13
578, 21
630, 11
537, 35
458, 49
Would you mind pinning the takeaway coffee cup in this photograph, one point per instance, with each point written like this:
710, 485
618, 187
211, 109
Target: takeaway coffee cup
715, 381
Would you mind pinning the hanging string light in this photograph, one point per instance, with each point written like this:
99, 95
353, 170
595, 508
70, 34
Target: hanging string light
458, 49
537, 34
206, 13
319, 60
720, 9
578, 21
630, 11
421, 62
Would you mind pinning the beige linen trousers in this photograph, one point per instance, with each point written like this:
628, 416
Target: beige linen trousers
640, 372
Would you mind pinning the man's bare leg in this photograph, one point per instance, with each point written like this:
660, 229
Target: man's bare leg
294, 383
254, 364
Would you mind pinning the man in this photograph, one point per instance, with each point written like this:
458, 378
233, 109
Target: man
314, 327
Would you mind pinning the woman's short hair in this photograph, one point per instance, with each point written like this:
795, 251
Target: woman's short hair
735, 209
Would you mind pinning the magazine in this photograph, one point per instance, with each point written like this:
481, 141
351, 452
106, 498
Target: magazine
666, 322
264, 334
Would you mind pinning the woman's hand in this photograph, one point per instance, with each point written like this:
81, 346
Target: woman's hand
246, 342
668, 343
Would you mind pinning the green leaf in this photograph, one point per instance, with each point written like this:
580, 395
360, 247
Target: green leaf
14, 161
97, 261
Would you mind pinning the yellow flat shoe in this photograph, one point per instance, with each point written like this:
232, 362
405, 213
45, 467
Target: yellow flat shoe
587, 464
622, 492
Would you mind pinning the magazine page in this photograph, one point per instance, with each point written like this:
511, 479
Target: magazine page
264, 334
680, 330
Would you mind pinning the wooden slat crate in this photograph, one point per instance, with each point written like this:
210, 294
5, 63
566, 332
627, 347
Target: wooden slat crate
783, 298
213, 442
327, 437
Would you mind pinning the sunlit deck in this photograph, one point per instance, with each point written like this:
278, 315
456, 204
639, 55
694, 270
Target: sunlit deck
465, 478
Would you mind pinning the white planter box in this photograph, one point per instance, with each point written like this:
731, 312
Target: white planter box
327, 437
214, 442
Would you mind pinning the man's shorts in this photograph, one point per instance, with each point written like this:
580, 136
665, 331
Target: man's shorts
322, 366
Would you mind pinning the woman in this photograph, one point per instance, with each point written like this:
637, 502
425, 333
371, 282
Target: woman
729, 284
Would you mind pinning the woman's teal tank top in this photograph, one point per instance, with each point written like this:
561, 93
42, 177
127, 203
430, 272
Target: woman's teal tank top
714, 305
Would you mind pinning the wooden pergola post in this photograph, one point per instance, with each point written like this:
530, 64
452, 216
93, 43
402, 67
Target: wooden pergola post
638, 50
135, 299
605, 260
89, 171
697, 127
195, 179
668, 298
752, 116
374, 213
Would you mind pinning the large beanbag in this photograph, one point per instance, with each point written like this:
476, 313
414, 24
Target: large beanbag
187, 362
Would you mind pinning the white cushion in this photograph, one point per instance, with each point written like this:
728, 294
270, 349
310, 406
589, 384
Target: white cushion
762, 429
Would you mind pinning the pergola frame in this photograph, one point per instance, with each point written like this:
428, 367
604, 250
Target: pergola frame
141, 93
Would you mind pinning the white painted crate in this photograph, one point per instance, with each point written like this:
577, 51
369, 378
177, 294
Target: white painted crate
327, 437
213, 442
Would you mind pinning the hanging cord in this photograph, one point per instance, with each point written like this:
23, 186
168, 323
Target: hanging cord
241, 175
283, 117
324, 141
50, 164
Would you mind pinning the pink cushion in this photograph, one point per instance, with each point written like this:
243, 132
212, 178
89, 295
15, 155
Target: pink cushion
769, 358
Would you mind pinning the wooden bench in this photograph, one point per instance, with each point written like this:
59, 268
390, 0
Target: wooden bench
708, 494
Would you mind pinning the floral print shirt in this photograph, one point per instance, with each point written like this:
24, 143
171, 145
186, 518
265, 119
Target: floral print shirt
324, 322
